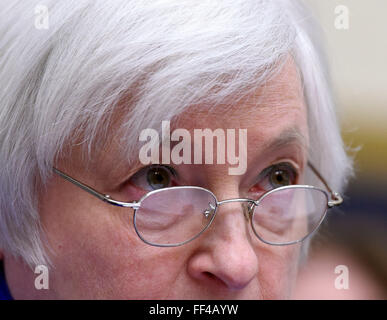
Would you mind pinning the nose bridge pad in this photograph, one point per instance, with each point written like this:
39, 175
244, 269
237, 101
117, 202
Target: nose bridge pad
208, 213
248, 209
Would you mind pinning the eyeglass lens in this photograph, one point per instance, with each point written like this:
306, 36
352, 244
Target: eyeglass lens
289, 215
174, 216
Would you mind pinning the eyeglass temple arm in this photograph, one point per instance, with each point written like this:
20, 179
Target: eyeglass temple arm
336, 198
103, 197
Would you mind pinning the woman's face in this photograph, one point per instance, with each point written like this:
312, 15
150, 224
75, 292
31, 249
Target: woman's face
97, 254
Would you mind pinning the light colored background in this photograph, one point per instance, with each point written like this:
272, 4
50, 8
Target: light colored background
356, 234
358, 60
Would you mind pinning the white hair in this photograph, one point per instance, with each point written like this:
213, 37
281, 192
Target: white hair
61, 85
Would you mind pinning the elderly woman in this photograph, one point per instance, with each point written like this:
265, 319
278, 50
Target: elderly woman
169, 149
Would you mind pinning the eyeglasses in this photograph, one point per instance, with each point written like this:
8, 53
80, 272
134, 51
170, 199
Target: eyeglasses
174, 216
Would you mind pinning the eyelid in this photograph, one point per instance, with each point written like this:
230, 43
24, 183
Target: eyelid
138, 178
148, 167
141, 173
169, 168
285, 163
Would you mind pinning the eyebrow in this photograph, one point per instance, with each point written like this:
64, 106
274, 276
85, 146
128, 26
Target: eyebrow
288, 136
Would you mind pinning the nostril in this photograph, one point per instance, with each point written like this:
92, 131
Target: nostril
209, 275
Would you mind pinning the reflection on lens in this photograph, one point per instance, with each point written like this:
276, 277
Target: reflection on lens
288, 215
175, 215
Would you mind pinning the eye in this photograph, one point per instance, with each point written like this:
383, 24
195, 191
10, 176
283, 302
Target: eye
280, 178
275, 176
153, 177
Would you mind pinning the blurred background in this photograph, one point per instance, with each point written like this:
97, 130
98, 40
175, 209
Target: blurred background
355, 236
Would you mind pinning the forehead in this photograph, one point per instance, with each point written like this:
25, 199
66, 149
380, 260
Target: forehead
275, 111
277, 106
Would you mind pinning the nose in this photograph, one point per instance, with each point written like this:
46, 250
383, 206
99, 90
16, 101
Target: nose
225, 256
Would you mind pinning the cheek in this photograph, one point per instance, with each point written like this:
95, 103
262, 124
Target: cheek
96, 254
278, 267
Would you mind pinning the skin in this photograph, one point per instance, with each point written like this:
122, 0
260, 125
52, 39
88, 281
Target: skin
97, 255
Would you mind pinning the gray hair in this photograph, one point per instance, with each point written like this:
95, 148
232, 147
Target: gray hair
61, 85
